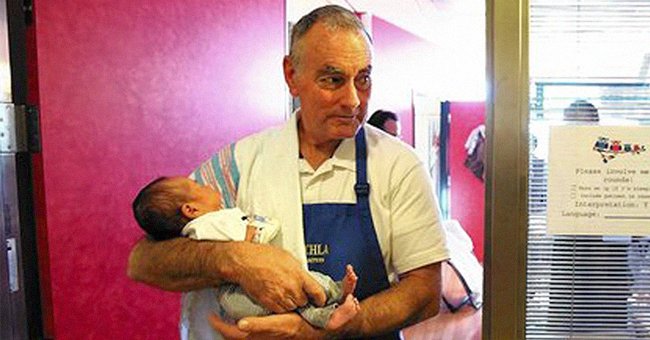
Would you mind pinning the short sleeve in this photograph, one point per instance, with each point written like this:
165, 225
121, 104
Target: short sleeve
417, 236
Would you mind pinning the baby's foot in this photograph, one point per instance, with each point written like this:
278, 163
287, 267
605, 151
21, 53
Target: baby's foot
343, 313
349, 282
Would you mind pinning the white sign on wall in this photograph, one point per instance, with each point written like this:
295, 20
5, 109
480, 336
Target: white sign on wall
599, 180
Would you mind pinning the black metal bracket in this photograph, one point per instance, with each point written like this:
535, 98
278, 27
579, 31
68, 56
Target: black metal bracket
28, 10
33, 126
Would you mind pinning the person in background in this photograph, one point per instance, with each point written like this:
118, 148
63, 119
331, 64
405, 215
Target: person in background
581, 111
387, 121
343, 193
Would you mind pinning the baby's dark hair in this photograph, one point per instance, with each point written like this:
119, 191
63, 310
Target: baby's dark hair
157, 208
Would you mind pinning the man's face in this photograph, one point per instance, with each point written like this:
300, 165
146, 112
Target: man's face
333, 83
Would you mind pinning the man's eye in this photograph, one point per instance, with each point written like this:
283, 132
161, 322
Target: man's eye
363, 82
331, 81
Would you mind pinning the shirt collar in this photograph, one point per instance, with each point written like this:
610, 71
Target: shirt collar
344, 155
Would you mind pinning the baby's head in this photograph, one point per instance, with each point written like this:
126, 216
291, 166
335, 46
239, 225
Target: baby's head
166, 205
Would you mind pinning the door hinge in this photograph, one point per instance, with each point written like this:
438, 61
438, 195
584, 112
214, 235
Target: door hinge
19, 129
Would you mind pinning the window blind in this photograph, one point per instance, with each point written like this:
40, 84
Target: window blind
598, 52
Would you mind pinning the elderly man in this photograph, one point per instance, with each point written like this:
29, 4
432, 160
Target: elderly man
343, 193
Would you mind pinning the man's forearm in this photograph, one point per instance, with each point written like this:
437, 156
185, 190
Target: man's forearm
416, 297
179, 264
270, 275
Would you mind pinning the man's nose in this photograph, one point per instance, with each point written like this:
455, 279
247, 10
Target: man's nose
350, 96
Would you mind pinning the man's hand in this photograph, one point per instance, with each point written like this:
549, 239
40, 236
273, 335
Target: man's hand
277, 326
273, 277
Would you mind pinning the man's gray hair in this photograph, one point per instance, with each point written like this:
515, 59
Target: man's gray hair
335, 18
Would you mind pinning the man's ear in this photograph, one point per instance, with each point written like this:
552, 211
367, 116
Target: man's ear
189, 210
289, 75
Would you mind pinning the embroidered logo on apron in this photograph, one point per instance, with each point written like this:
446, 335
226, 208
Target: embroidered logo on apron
317, 252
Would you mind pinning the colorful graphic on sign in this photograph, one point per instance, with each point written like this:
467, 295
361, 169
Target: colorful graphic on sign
609, 149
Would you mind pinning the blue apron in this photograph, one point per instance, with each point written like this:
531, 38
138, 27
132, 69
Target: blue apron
337, 234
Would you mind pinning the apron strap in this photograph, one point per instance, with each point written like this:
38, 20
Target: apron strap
362, 188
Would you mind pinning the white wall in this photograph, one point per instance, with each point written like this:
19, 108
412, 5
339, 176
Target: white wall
457, 27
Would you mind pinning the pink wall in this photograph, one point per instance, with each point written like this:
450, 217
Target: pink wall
130, 90
402, 62
467, 191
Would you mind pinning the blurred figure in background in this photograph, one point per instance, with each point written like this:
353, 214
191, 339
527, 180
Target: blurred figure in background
387, 121
581, 111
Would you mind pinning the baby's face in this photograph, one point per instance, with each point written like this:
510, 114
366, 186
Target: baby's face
203, 196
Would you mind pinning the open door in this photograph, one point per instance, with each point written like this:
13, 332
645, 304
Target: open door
19, 288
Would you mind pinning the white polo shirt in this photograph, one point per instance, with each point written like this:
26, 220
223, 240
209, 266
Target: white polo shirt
403, 207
